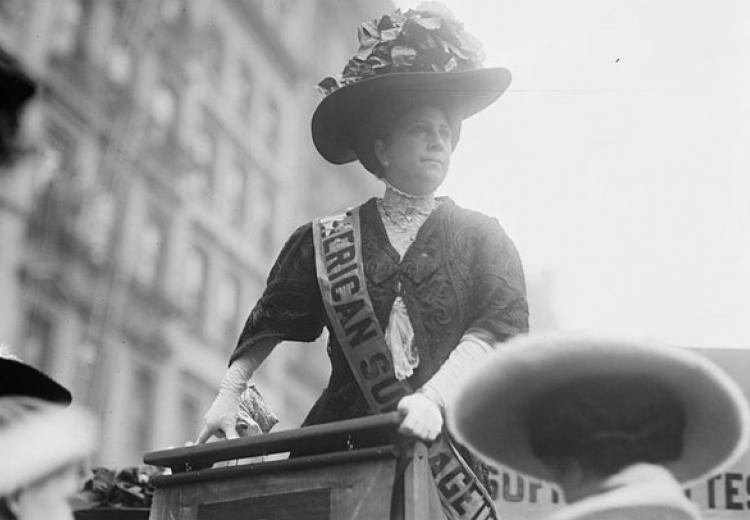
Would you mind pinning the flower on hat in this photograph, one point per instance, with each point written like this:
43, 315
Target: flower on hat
5, 353
428, 38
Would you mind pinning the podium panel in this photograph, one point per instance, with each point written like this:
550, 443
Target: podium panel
359, 469
314, 504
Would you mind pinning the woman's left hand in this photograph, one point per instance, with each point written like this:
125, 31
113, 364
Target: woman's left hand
421, 417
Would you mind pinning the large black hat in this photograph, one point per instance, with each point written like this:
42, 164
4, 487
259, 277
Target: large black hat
19, 379
424, 56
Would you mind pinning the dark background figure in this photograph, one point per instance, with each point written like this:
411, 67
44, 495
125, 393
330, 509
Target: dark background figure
16, 88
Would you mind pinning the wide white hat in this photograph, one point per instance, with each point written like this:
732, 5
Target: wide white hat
37, 440
490, 413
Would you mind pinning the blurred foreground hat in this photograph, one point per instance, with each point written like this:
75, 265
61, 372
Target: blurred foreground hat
422, 55
38, 438
18, 378
492, 410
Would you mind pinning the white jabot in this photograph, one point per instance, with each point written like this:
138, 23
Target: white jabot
402, 215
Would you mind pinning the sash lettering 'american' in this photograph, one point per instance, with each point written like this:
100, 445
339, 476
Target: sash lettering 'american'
341, 280
341, 277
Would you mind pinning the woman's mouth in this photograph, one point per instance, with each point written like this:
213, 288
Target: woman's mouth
435, 161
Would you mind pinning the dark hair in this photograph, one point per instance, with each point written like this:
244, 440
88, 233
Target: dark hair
6, 513
380, 120
606, 423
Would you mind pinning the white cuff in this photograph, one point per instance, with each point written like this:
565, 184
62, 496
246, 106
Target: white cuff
470, 352
241, 370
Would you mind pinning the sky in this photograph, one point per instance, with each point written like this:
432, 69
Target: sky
619, 160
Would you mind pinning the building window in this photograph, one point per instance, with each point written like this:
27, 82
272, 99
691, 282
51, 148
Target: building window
263, 208
213, 53
274, 10
196, 272
141, 409
119, 62
194, 401
38, 339
163, 110
96, 222
191, 414
203, 148
228, 306
267, 230
273, 125
245, 100
64, 38
10, 9
86, 369
62, 152
172, 11
58, 195
235, 191
152, 242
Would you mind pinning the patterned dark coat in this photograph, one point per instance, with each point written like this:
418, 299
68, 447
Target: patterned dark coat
461, 274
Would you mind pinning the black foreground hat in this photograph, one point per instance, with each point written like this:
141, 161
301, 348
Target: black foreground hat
18, 378
424, 55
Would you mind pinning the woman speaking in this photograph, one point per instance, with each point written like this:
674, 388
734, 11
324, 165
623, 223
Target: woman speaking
414, 289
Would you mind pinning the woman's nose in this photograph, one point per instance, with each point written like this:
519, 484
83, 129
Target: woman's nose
436, 141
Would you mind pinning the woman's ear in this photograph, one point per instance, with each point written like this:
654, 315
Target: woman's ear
381, 152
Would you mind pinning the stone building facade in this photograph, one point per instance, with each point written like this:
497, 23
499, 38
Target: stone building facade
172, 157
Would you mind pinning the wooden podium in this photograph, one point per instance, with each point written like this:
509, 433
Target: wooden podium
356, 469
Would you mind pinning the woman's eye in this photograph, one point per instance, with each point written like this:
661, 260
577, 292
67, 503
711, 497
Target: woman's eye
419, 129
445, 134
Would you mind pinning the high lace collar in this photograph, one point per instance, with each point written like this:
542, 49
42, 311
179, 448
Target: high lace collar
397, 203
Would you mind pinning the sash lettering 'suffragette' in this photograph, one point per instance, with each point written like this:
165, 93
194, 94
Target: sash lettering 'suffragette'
338, 260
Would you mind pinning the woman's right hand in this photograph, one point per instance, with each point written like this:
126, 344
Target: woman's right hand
221, 418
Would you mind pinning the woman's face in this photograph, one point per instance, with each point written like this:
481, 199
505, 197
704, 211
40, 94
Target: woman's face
417, 155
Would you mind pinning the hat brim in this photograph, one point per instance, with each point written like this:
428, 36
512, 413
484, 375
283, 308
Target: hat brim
18, 378
337, 117
490, 411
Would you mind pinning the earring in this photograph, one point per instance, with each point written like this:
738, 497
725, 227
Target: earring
386, 164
